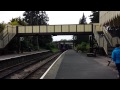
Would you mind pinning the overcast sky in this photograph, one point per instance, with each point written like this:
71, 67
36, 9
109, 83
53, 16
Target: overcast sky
55, 17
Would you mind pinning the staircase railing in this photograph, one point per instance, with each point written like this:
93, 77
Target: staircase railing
107, 35
2, 34
102, 42
112, 40
6, 35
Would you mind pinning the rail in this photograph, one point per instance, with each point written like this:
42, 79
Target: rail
112, 40
102, 42
72, 28
108, 36
6, 35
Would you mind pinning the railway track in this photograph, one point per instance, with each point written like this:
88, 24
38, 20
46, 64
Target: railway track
38, 72
27, 69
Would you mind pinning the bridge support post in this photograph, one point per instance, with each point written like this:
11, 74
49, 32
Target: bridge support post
59, 44
18, 40
37, 42
74, 42
91, 41
18, 44
90, 38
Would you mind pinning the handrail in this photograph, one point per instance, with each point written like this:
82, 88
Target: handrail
7, 34
98, 38
108, 36
112, 40
10, 31
118, 40
96, 35
105, 45
1, 33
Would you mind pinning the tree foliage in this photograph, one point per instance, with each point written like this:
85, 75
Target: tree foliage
83, 46
32, 42
2, 26
17, 21
35, 17
94, 17
38, 18
83, 20
81, 38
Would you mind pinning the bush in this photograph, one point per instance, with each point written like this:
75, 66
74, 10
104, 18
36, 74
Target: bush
87, 47
14, 23
78, 47
83, 47
54, 49
2, 26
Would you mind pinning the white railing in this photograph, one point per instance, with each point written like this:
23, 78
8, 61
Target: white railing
70, 28
108, 36
105, 45
118, 40
112, 40
6, 35
10, 31
102, 42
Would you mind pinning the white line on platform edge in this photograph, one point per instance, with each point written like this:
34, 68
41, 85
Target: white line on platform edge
51, 66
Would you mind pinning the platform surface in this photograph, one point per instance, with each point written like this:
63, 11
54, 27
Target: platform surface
74, 65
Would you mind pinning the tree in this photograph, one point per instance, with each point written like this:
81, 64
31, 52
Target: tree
38, 18
83, 20
44, 18
2, 26
94, 17
17, 21
81, 38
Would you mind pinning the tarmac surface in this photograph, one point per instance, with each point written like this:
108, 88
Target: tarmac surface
73, 65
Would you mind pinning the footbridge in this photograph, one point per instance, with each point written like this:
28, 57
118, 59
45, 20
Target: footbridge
93, 29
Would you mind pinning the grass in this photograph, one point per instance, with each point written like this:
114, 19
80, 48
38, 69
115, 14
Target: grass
54, 49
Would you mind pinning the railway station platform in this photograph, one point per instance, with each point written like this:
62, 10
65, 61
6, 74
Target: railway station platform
7, 61
73, 65
6, 57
